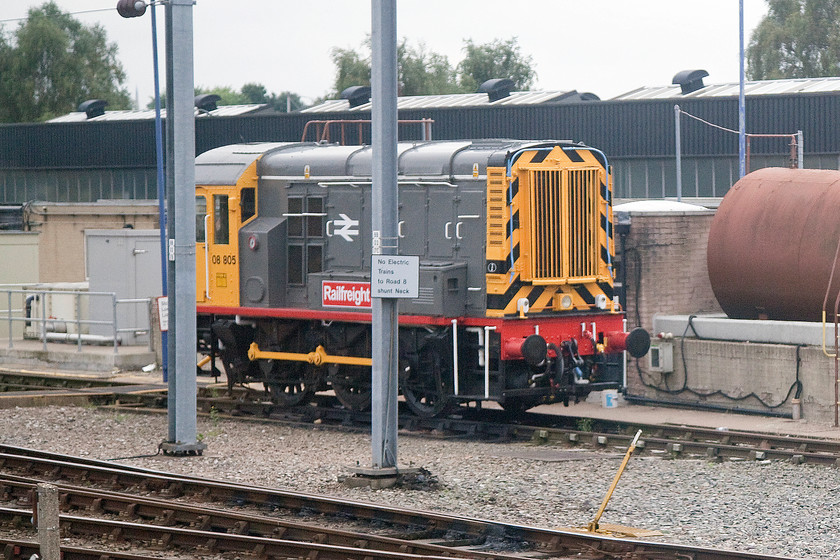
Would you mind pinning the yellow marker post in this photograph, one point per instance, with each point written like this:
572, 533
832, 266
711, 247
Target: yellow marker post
593, 526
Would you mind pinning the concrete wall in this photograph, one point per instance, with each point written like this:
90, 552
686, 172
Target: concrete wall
667, 274
18, 265
19, 261
725, 374
62, 227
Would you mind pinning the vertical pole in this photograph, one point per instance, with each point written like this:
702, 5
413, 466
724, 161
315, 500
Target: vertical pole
44, 318
800, 150
384, 227
78, 322
161, 191
114, 319
742, 126
678, 148
180, 169
48, 523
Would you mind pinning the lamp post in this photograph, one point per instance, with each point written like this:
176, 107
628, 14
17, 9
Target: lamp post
180, 249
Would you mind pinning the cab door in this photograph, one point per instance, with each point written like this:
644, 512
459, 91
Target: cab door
217, 270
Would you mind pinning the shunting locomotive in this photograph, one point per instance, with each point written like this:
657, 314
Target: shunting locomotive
516, 296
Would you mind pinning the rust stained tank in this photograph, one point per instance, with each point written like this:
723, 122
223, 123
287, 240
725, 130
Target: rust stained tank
772, 245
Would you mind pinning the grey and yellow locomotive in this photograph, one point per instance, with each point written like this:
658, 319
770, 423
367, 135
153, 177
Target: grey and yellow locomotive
515, 301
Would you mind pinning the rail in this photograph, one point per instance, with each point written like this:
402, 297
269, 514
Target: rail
49, 328
322, 128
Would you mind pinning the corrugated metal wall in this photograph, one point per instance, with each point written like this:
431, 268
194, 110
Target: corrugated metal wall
86, 161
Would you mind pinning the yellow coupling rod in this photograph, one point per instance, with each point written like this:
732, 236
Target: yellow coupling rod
318, 357
593, 527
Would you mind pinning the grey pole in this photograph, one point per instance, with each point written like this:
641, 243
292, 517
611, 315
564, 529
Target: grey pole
678, 148
742, 119
384, 226
180, 177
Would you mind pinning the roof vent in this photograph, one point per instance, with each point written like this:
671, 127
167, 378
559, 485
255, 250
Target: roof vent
93, 107
356, 95
206, 102
588, 96
497, 88
689, 80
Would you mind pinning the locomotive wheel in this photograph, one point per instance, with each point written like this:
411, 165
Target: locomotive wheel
352, 386
422, 382
288, 383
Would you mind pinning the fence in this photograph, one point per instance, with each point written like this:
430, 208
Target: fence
28, 306
795, 144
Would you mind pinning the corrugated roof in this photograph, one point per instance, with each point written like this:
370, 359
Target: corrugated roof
148, 114
453, 100
763, 87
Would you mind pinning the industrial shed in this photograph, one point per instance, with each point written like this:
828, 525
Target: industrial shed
112, 156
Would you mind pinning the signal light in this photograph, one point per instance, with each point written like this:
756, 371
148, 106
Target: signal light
131, 8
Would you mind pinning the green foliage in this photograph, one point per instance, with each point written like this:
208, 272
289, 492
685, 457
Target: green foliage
421, 72
424, 72
584, 424
52, 62
249, 94
497, 59
351, 68
796, 39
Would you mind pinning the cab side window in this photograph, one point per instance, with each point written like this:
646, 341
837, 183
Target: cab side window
200, 213
248, 203
221, 222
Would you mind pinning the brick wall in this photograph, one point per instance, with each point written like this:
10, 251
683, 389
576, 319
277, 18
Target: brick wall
666, 274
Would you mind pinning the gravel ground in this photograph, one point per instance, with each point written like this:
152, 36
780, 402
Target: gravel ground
766, 507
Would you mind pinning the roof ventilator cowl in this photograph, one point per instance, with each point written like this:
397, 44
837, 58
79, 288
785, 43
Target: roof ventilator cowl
497, 88
689, 80
93, 107
207, 102
356, 95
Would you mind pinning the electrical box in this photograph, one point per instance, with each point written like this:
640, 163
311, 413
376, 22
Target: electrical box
661, 357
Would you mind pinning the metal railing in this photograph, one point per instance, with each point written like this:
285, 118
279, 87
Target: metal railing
47, 326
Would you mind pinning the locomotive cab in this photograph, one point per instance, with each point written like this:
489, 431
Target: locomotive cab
220, 214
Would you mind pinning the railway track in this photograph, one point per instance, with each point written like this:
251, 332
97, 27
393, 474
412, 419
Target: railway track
193, 515
673, 441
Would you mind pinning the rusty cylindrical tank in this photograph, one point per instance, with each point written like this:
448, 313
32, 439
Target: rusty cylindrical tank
772, 244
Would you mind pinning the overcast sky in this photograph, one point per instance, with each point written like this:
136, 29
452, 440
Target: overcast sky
606, 47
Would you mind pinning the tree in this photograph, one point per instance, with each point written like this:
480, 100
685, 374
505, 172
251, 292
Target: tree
256, 93
796, 39
351, 68
421, 72
497, 59
52, 62
424, 72
249, 94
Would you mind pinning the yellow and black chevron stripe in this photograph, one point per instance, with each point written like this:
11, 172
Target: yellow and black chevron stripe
549, 232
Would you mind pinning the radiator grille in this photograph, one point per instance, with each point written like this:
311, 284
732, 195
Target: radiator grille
564, 223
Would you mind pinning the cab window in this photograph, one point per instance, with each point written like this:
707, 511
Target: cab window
200, 213
248, 203
221, 235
